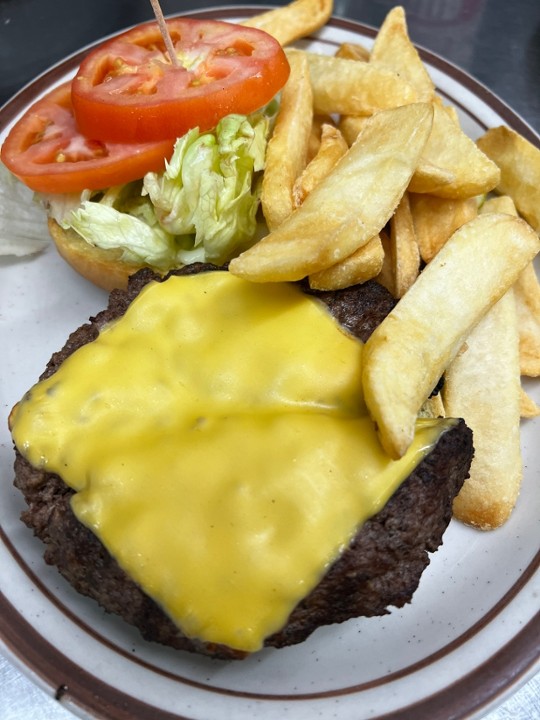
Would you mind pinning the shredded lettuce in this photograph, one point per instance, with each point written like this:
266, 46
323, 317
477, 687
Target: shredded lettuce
61, 207
206, 189
139, 241
203, 206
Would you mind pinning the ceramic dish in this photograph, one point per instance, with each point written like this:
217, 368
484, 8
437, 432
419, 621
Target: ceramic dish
469, 637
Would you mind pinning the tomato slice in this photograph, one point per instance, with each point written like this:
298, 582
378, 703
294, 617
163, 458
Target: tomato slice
46, 151
127, 90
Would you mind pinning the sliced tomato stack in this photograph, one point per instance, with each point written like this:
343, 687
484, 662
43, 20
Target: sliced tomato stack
121, 114
47, 152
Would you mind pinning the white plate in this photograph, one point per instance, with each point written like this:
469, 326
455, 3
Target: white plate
468, 638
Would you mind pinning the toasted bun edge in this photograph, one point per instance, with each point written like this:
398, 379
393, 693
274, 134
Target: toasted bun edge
103, 268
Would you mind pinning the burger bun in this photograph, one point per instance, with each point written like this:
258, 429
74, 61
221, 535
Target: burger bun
103, 268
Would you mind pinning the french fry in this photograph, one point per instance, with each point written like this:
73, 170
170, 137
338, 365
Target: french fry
527, 297
362, 265
451, 149
427, 178
293, 21
386, 273
519, 163
482, 385
500, 204
394, 49
401, 262
287, 149
436, 219
430, 178
450, 110
350, 206
332, 148
350, 126
404, 248
527, 292
349, 87
352, 51
315, 134
409, 351
527, 406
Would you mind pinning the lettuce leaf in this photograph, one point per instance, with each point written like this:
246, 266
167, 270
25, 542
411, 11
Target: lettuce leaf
202, 207
23, 224
141, 242
207, 189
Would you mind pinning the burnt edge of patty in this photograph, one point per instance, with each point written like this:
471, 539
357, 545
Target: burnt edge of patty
381, 567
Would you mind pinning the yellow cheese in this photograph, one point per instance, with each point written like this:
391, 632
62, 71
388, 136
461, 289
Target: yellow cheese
219, 446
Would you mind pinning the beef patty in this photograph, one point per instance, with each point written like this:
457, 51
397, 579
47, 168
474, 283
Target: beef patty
381, 567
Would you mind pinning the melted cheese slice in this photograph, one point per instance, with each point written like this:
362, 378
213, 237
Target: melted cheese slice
219, 447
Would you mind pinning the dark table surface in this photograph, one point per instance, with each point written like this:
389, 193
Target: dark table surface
496, 41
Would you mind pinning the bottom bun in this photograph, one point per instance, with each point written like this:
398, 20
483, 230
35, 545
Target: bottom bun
103, 268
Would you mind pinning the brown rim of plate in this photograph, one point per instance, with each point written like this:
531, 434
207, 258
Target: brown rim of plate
69, 681
513, 660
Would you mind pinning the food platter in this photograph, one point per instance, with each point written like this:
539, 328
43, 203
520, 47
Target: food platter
469, 637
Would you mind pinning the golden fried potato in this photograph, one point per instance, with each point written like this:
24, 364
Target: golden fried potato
482, 385
293, 21
436, 219
352, 51
404, 248
386, 273
409, 351
429, 178
332, 147
350, 126
450, 110
451, 149
527, 297
394, 49
500, 204
286, 154
349, 87
527, 292
350, 206
519, 163
401, 263
527, 406
362, 265
315, 134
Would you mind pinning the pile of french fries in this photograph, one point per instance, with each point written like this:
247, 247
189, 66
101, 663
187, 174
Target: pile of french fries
370, 175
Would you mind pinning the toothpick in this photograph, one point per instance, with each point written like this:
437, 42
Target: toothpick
164, 32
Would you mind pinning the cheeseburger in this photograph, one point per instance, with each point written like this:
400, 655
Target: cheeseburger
199, 459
